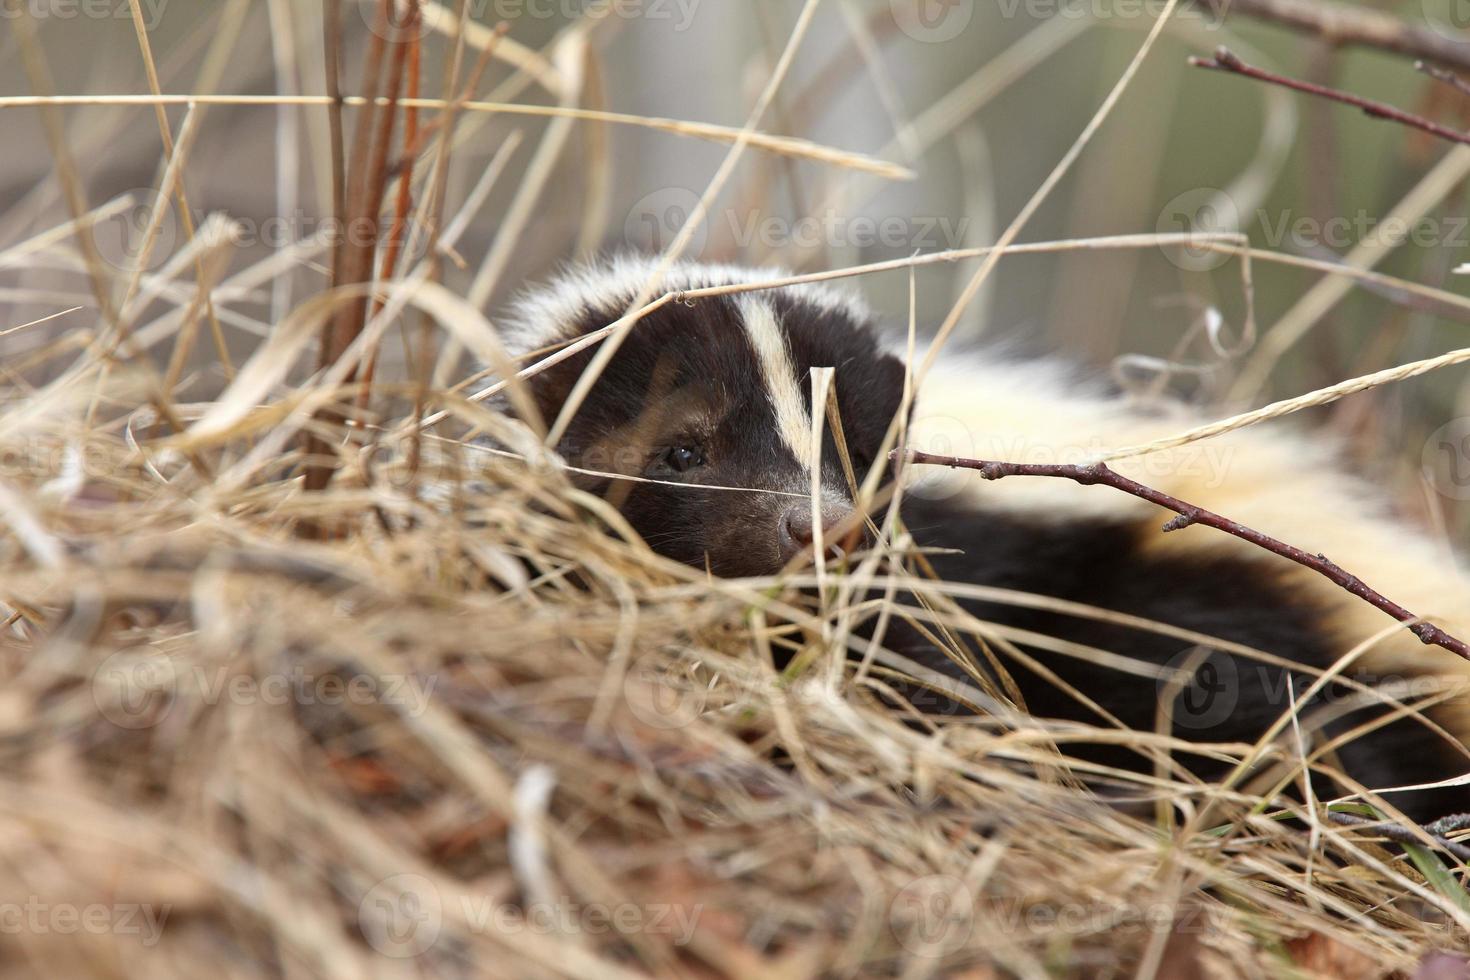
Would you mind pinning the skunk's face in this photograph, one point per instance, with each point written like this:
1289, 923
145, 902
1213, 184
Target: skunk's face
709, 404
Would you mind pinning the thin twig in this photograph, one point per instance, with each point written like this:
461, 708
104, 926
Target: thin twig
404, 204
332, 42
1099, 473
186, 216
1225, 61
795, 146
366, 185
1443, 75
1359, 26
1402, 834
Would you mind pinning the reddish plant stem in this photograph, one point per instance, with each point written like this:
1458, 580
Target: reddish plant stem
1225, 61
332, 41
404, 204
366, 185
1099, 474
1341, 24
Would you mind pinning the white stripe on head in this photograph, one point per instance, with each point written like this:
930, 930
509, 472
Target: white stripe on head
546, 314
777, 375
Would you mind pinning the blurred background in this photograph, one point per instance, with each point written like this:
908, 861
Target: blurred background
981, 99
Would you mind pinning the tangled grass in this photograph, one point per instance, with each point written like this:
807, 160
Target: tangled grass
481, 734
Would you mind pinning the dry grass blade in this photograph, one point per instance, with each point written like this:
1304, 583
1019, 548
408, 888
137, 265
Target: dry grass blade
792, 146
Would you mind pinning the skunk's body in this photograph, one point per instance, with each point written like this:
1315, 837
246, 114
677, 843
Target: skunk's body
715, 392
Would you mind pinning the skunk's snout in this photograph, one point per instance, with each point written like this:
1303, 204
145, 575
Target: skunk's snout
795, 530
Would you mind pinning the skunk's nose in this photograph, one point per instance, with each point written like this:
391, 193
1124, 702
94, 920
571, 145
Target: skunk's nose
795, 529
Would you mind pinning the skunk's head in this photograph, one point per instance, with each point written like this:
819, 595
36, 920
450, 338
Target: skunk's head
714, 393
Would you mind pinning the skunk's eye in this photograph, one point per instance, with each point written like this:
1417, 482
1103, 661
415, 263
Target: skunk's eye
679, 459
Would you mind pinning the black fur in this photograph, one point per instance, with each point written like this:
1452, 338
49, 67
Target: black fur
1246, 601
687, 373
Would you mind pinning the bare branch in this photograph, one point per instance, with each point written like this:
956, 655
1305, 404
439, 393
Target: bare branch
1099, 473
1402, 834
1356, 26
1225, 61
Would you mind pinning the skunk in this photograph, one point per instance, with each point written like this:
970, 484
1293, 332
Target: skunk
714, 392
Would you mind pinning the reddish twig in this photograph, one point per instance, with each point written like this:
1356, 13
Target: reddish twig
404, 204
1225, 61
1351, 24
332, 55
353, 258
1099, 473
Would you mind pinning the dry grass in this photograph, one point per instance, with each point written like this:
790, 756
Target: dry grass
467, 727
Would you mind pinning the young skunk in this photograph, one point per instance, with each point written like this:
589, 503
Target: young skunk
715, 392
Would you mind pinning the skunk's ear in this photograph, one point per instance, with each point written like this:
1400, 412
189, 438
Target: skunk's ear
869, 395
